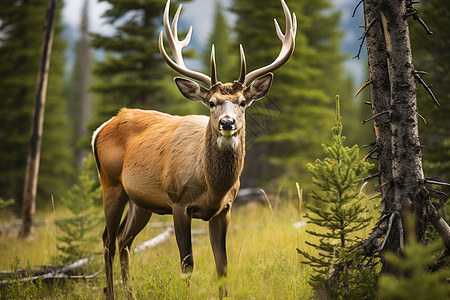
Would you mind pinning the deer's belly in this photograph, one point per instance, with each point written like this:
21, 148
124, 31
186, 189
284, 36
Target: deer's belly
146, 192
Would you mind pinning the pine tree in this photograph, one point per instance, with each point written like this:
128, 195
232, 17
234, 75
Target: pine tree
414, 280
21, 36
133, 73
227, 63
284, 130
339, 215
78, 232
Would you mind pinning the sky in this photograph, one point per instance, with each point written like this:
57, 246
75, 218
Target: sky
193, 13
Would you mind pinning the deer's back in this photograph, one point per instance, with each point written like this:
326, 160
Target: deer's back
149, 152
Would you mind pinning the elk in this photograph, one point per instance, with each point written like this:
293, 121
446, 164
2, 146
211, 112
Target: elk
187, 166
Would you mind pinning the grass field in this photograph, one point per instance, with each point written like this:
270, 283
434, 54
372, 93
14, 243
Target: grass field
262, 258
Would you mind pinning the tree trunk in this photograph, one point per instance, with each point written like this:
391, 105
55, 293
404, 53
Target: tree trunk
85, 104
393, 95
32, 171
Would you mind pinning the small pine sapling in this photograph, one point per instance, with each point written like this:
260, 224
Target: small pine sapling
78, 235
339, 215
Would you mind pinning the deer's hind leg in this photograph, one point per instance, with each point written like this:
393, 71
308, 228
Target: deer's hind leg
134, 221
114, 201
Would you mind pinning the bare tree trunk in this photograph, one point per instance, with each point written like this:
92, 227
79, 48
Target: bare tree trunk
85, 80
394, 106
32, 171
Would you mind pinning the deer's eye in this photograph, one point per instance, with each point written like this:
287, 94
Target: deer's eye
242, 104
211, 104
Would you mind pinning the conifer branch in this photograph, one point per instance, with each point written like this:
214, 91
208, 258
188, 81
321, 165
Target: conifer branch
371, 151
436, 182
364, 35
438, 223
376, 116
418, 76
369, 81
354, 11
411, 11
423, 119
372, 176
389, 228
369, 145
377, 232
438, 192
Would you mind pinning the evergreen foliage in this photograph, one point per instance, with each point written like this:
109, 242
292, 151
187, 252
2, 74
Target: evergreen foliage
414, 280
21, 32
285, 129
339, 215
227, 53
79, 233
133, 72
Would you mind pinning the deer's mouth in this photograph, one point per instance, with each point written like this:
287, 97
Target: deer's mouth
228, 133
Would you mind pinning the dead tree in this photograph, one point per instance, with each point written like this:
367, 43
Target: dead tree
34, 155
395, 117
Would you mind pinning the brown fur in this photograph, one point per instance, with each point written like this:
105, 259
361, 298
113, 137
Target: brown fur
186, 166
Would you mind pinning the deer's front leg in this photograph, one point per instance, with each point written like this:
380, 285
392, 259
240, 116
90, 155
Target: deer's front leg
182, 224
218, 227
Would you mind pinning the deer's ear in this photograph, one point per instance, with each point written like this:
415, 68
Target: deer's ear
191, 89
259, 87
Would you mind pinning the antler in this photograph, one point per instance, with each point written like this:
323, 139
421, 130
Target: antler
288, 44
177, 46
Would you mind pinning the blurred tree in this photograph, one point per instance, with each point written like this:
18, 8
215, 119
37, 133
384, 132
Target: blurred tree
227, 63
432, 54
79, 232
20, 41
133, 73
79, 99
414, 278
286, 129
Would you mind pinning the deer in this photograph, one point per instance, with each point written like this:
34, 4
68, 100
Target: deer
187, 166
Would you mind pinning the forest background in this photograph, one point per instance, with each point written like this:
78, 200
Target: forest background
95, 73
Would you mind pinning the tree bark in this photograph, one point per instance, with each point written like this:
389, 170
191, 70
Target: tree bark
85, 104
393, 94
32, 170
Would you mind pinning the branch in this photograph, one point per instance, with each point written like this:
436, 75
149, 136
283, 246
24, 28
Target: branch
369, 145
376, 116
436, 182
438, 192
364, 35
372, 176
376, 234
371, 151
389, 227
369, 81
354, 11
418, 76
411, 11
423, 119
436, 220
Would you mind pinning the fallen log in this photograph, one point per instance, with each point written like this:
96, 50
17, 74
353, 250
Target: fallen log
66, 272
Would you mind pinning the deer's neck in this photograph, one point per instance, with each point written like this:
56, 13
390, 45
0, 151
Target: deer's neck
224, 160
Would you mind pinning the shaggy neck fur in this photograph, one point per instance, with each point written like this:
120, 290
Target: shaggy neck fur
224, 163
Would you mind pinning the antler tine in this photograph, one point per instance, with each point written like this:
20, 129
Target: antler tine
288, 44
213, 67
243, 65
177, 46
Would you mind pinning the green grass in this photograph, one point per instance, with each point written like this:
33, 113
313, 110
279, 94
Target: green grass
262, 262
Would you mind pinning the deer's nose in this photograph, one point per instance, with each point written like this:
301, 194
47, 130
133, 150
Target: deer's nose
227, 124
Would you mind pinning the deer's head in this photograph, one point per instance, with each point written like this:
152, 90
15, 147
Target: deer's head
227, 101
